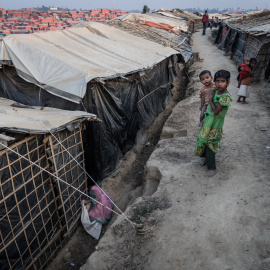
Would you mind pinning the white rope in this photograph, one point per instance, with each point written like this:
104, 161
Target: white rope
87, 174
66, 183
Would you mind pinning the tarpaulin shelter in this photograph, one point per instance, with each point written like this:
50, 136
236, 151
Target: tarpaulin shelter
248, 36
36, 210
193, 21
122, 78
151, 26
169, 23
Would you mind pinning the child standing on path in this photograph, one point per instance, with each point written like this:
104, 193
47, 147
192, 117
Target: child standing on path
244, 71
206, 91
244, 90
210, 132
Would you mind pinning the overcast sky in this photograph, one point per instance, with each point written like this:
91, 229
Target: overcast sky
136, 4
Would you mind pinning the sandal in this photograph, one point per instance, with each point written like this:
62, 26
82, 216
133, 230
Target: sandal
211, 173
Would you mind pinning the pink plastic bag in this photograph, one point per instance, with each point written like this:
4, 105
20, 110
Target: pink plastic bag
98, 212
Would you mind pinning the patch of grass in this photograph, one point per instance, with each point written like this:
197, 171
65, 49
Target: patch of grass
145, 210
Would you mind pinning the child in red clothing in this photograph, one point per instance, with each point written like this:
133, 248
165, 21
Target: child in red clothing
245, 79
244, 71
206, 91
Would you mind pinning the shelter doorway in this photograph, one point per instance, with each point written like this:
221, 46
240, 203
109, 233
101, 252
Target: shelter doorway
262, 69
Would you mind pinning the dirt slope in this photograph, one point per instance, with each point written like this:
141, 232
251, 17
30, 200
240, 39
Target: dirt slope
201, 223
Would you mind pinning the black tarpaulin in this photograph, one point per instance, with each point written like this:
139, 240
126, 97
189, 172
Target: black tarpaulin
36, 209
126, 106
27, 212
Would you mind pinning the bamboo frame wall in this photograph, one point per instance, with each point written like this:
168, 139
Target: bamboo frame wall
35, 210
263, 61
68, 199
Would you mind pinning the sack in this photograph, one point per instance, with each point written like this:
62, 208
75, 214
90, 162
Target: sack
92, 228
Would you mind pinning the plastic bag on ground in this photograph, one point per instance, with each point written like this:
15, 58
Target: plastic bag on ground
92, 227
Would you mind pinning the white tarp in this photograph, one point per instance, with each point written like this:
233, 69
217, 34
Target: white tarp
37, 120
3, 52
63, 62
167, 14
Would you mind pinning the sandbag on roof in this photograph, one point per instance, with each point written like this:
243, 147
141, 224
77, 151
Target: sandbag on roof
64, 62
37, 120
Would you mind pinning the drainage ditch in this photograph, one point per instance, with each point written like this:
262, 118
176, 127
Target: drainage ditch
133, 180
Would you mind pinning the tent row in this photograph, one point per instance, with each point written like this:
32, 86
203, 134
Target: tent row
50, 85
248, 36
193, 21
164, 30
122, 78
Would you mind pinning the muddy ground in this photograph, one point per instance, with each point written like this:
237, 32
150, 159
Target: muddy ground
197, 222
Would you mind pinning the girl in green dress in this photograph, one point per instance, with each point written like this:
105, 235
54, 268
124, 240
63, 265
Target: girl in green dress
210, 132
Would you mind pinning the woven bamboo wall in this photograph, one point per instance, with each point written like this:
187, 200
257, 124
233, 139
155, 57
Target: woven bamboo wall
62, 164
35, 210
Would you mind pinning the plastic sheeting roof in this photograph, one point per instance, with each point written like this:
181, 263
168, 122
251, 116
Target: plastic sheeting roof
156, 18
176, 14
37, 120
164, 37
191, 15
63, 62
256, 22
167, 14
260, 28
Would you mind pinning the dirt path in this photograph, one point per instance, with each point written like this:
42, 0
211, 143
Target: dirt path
202, 223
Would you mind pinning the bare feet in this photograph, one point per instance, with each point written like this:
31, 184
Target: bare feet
211, 173
203, 162
244, 102
239, 99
